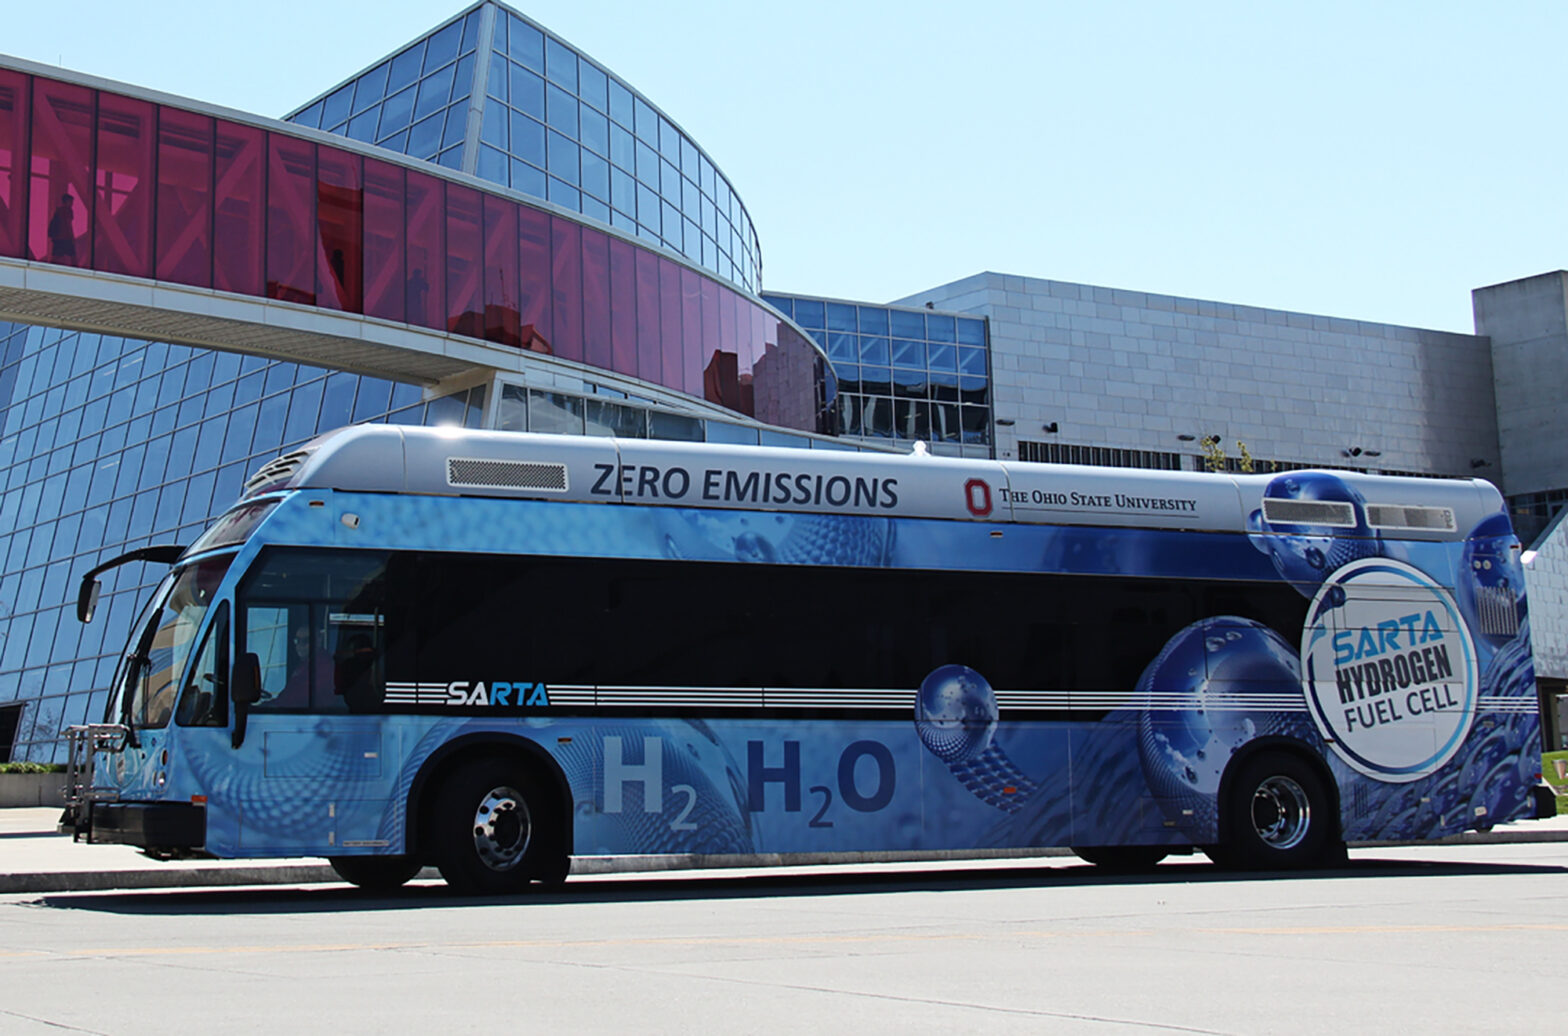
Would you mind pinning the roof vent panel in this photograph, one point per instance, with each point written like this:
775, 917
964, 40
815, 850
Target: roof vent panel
535, 476
1396, 516
1333, 513
275, 473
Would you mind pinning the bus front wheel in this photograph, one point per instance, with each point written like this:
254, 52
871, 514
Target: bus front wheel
1278, 816
487, 828
376, 873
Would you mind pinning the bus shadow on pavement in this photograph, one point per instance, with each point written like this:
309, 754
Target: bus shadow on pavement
696, 886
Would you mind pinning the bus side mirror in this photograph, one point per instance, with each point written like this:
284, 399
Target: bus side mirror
245, 689
87, 600
246, 685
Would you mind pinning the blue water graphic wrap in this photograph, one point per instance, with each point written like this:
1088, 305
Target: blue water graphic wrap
1304, 553
1216, 688
956, 717
787, 539
954, 766
1489, 583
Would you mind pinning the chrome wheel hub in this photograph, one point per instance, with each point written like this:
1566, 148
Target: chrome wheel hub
502, 828
1281, 813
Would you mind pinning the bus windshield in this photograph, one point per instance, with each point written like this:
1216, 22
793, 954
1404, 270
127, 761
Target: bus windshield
163, 643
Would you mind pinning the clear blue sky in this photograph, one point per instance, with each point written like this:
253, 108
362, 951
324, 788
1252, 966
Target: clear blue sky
1368, 160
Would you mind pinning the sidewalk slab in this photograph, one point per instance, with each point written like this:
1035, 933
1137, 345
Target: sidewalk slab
35, 857
168, 875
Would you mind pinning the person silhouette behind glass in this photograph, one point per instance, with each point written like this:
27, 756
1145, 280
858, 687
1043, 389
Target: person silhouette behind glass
418, 288
304, 662
62, 231
354, 674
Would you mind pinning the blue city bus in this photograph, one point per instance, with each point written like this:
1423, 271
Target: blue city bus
492, 652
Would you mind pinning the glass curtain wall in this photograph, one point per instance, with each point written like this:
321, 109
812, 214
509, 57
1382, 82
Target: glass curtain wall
553, 124
125, 186
903, 373
107, 444
415, 102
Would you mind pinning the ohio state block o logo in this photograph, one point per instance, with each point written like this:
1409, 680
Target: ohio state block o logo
977, 497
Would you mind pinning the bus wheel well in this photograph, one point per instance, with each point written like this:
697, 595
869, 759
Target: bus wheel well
1288, 754
544, 775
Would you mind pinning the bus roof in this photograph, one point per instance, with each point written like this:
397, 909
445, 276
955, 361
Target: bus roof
463, 462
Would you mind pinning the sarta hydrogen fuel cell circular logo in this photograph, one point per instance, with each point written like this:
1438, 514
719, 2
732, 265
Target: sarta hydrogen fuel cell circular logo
1390, 669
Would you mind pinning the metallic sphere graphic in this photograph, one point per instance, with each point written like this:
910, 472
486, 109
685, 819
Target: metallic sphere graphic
956, 716
1305, 553
1489, 585
956, 713
1216, 686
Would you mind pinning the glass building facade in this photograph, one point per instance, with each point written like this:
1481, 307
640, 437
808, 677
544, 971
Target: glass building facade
491, 196
629, 296
491, 211
495, 95
107, 444
910, 374
122, 185
416, 102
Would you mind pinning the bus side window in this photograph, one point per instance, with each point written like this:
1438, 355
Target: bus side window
319, 623
268, 632
204, 701
357, 680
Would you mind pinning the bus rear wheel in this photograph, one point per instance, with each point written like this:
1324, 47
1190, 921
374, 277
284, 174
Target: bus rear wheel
1278, 817
376, 873
1122, 859
488, 829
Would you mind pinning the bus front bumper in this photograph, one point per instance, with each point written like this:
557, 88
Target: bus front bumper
160, 828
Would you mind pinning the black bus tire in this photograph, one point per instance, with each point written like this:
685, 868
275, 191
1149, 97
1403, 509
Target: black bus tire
376, 873
1278, 816
487, 829
1122, 859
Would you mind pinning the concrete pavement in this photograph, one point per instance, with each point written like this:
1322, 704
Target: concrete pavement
35, 858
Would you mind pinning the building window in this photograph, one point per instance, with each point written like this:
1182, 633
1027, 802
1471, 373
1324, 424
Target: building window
906, 374
1102, 456
10, 717
1532, 513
